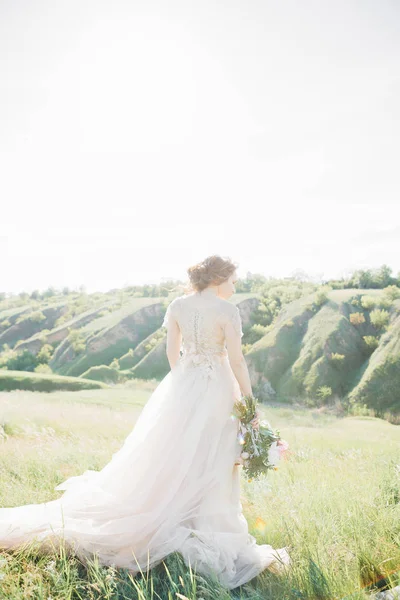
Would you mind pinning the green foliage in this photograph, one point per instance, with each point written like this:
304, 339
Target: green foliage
379, 318
322, 295
254, 464
43, 368
337, 358
256, 332
45, 353
22, 361
276, 294
373, 278
371, 341
153, 341
368, 302
355, 301
379, 388
385, 302
324, 392
33, 317
115, 364
42, 336
77, 341
246, 348
392, 291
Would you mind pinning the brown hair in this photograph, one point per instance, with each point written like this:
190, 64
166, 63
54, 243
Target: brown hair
213, 270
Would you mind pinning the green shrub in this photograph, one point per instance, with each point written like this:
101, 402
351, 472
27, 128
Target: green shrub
22, 361
36, 317
384, 302
256, 332
45, 353
77, 341
114, 364
392, 291
42, 336
322, 295
368, 302
379, 318
355, 301
324, 392
371, 341
336, 357
43, 368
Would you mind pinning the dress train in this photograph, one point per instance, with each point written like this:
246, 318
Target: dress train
172, 486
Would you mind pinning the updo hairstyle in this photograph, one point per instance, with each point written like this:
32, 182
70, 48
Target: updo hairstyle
213, 270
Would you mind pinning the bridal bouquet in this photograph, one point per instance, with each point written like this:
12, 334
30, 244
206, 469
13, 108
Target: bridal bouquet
262, 447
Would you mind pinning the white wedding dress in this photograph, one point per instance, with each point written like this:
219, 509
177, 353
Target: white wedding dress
173, 485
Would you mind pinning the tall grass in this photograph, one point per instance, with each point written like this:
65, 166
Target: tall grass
335, 501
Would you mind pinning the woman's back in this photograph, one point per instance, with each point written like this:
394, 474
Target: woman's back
202, 319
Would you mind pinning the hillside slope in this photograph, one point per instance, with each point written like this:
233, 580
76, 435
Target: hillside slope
319, 351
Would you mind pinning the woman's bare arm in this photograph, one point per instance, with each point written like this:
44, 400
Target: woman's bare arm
174, 340
237, 359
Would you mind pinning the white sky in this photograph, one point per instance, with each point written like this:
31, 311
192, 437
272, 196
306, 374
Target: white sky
138, 137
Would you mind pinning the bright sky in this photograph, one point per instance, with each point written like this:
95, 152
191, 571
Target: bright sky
138, 137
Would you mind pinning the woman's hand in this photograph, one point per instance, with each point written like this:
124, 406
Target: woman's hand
255, 422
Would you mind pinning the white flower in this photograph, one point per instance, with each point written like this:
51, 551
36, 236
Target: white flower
273, 454
245, 455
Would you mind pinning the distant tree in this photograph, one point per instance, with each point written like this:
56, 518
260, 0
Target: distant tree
50, 292
384, 276
300, 275
363, 279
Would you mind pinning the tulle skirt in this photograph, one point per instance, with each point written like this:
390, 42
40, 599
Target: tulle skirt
172, 486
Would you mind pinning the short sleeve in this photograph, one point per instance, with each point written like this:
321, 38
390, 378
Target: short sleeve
171, 311
235, 319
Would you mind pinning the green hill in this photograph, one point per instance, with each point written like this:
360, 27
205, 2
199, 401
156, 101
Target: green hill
41, 382
319, 351
303, 342
108, 337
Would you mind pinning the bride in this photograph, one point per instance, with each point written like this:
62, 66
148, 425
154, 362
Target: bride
174, 485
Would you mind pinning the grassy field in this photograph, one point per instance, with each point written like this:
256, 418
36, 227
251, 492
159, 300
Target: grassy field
335, 500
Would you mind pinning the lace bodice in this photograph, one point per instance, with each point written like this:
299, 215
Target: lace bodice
202, 321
